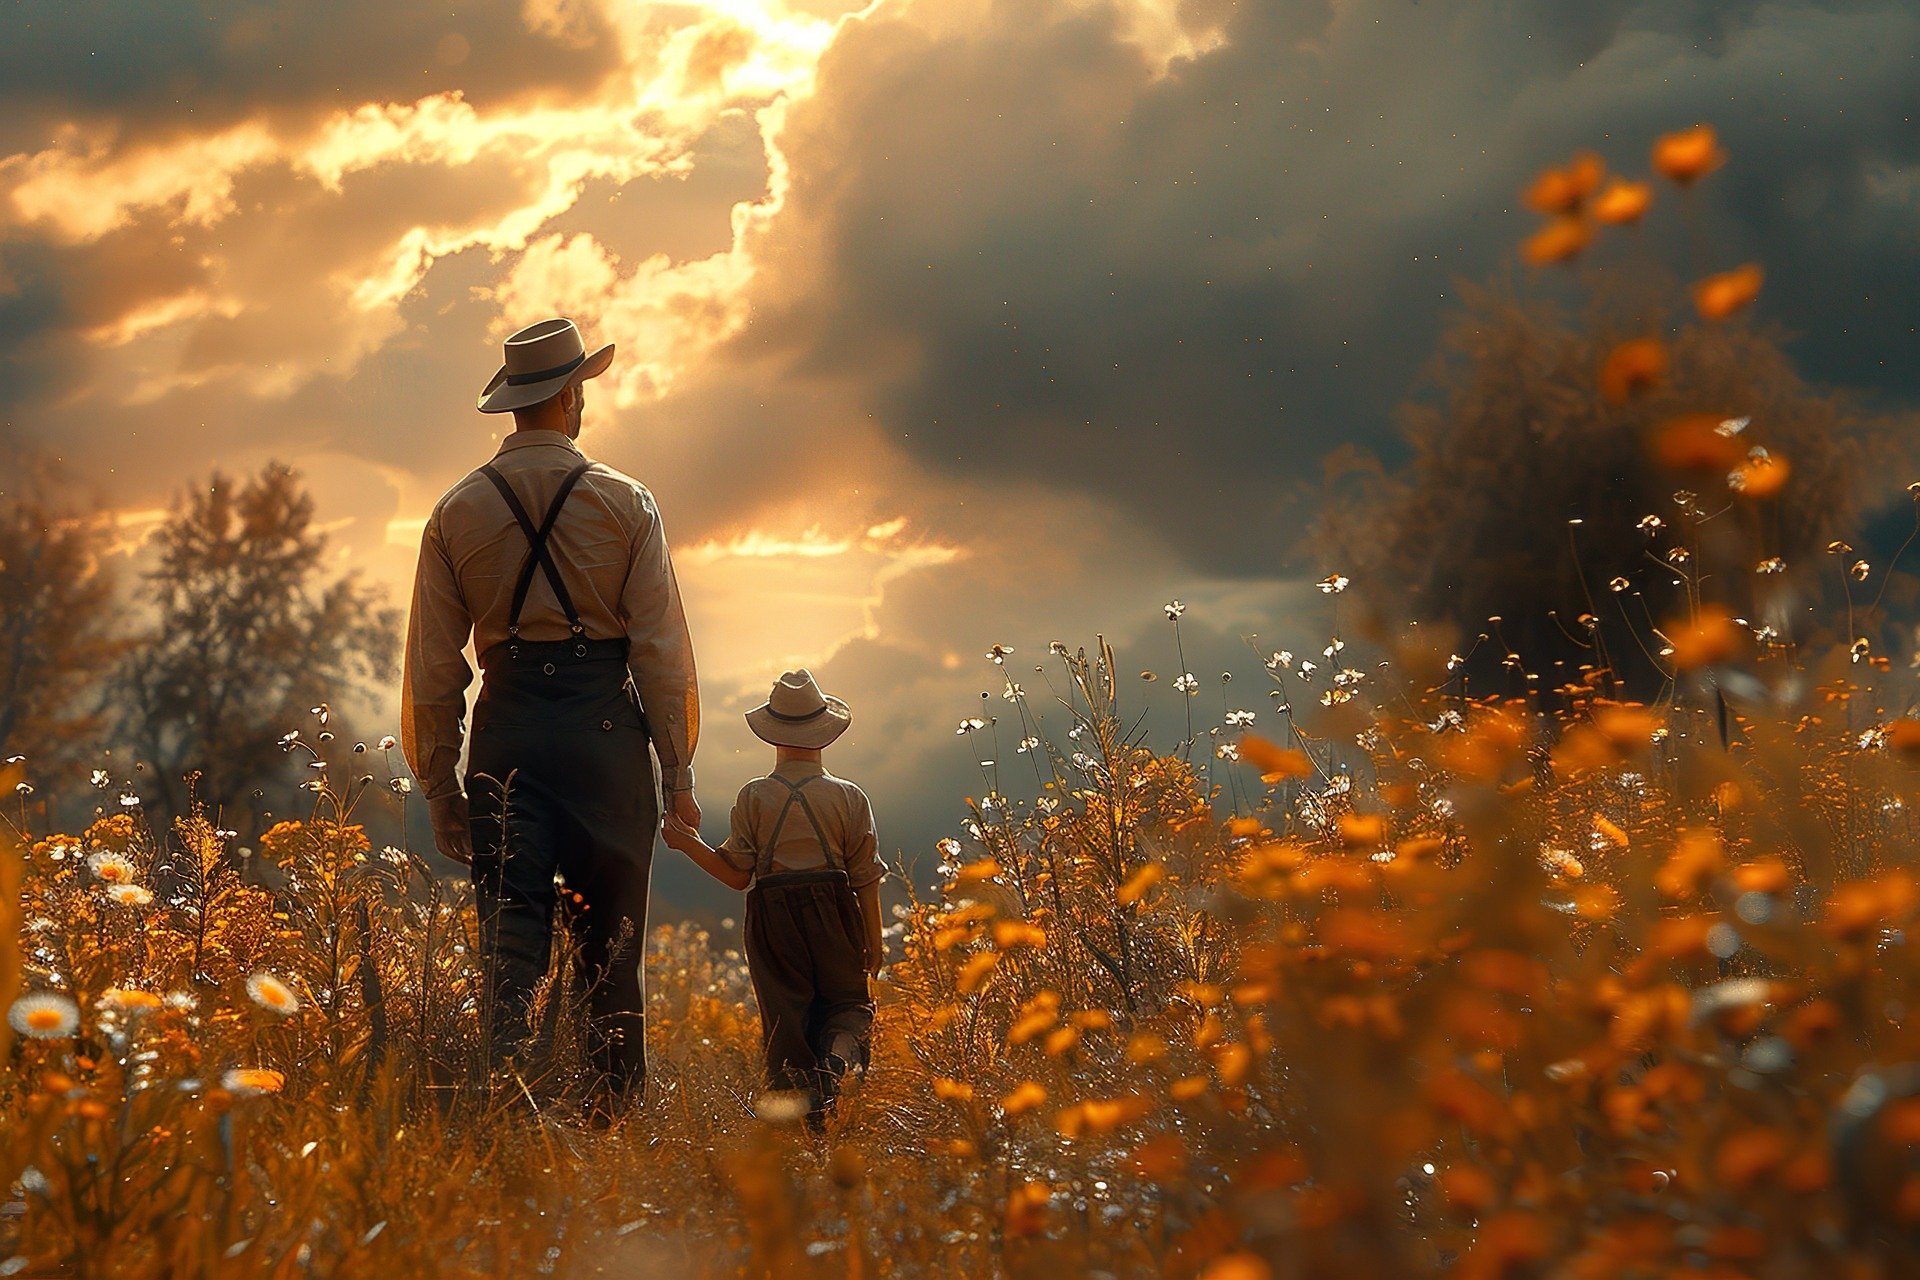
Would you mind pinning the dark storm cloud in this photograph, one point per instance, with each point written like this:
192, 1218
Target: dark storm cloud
1179, 292
200, 64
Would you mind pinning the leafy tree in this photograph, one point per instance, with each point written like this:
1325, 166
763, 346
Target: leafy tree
1522, 519
248, 635
57, 645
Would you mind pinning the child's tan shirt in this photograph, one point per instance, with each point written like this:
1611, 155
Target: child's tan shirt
842, 808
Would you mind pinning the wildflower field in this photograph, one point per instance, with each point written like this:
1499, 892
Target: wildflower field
1528, 975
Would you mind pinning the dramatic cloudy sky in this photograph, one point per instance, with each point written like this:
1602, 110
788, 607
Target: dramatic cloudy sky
941, 323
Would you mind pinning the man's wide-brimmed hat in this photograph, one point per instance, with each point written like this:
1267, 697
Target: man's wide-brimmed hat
541, 360
797, 714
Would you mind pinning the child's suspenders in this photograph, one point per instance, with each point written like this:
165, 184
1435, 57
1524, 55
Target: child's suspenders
763, 865
836, 869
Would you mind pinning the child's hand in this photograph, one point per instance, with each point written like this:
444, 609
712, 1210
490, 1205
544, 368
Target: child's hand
677, 835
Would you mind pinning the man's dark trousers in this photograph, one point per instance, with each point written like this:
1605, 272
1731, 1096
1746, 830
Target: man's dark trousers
560, 778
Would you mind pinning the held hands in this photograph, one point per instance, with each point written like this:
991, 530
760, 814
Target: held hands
683, 806
452, 830
679, 837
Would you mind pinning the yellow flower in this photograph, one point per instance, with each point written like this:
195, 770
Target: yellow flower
1023, 1099
44, 1015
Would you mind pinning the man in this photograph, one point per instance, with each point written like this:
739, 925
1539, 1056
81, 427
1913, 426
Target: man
558, 567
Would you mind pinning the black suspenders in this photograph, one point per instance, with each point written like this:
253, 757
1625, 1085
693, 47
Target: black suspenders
764, 864
537, 548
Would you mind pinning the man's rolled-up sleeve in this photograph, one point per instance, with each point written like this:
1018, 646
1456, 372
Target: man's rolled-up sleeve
660, 651
433, 688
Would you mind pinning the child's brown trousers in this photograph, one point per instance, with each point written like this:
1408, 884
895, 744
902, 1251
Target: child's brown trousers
805, 953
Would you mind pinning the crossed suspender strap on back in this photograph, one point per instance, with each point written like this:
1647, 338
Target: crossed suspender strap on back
537, 547
764, 864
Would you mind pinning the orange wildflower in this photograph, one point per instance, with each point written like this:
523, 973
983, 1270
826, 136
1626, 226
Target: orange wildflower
1274, 761
952, 1090
983, 869
1188, 1088
1233, 1061
1139, 882
1238, 1266
1033, 1024
1689, 155
1468, 1190
1101, 1115
1695, 442
1562, 191
1632, 368
975, 972
1561, 240
1762, 875
1161, 1158
1623, 202
1027, 1209
1747, 1157
1696, 858
1904, 735
1759, 477
1145, 1047
1718, 297
1711, 637
1008, 934
1362, 830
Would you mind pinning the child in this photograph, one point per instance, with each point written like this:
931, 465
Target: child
803, 847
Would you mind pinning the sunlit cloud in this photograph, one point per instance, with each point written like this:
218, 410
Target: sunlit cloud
818, 590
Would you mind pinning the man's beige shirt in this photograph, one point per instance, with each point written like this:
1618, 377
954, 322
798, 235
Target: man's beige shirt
612, 551
846, 817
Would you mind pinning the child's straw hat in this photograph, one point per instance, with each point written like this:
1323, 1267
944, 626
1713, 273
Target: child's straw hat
797, 714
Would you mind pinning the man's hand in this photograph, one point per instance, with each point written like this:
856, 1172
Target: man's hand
876, 956
686, 808
452, 832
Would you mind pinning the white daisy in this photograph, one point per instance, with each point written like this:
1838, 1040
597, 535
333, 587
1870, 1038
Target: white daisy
44, 1015
270, 992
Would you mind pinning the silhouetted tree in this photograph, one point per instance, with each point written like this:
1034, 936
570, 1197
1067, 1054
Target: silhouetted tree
247, 636
1520, 442
56, 617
